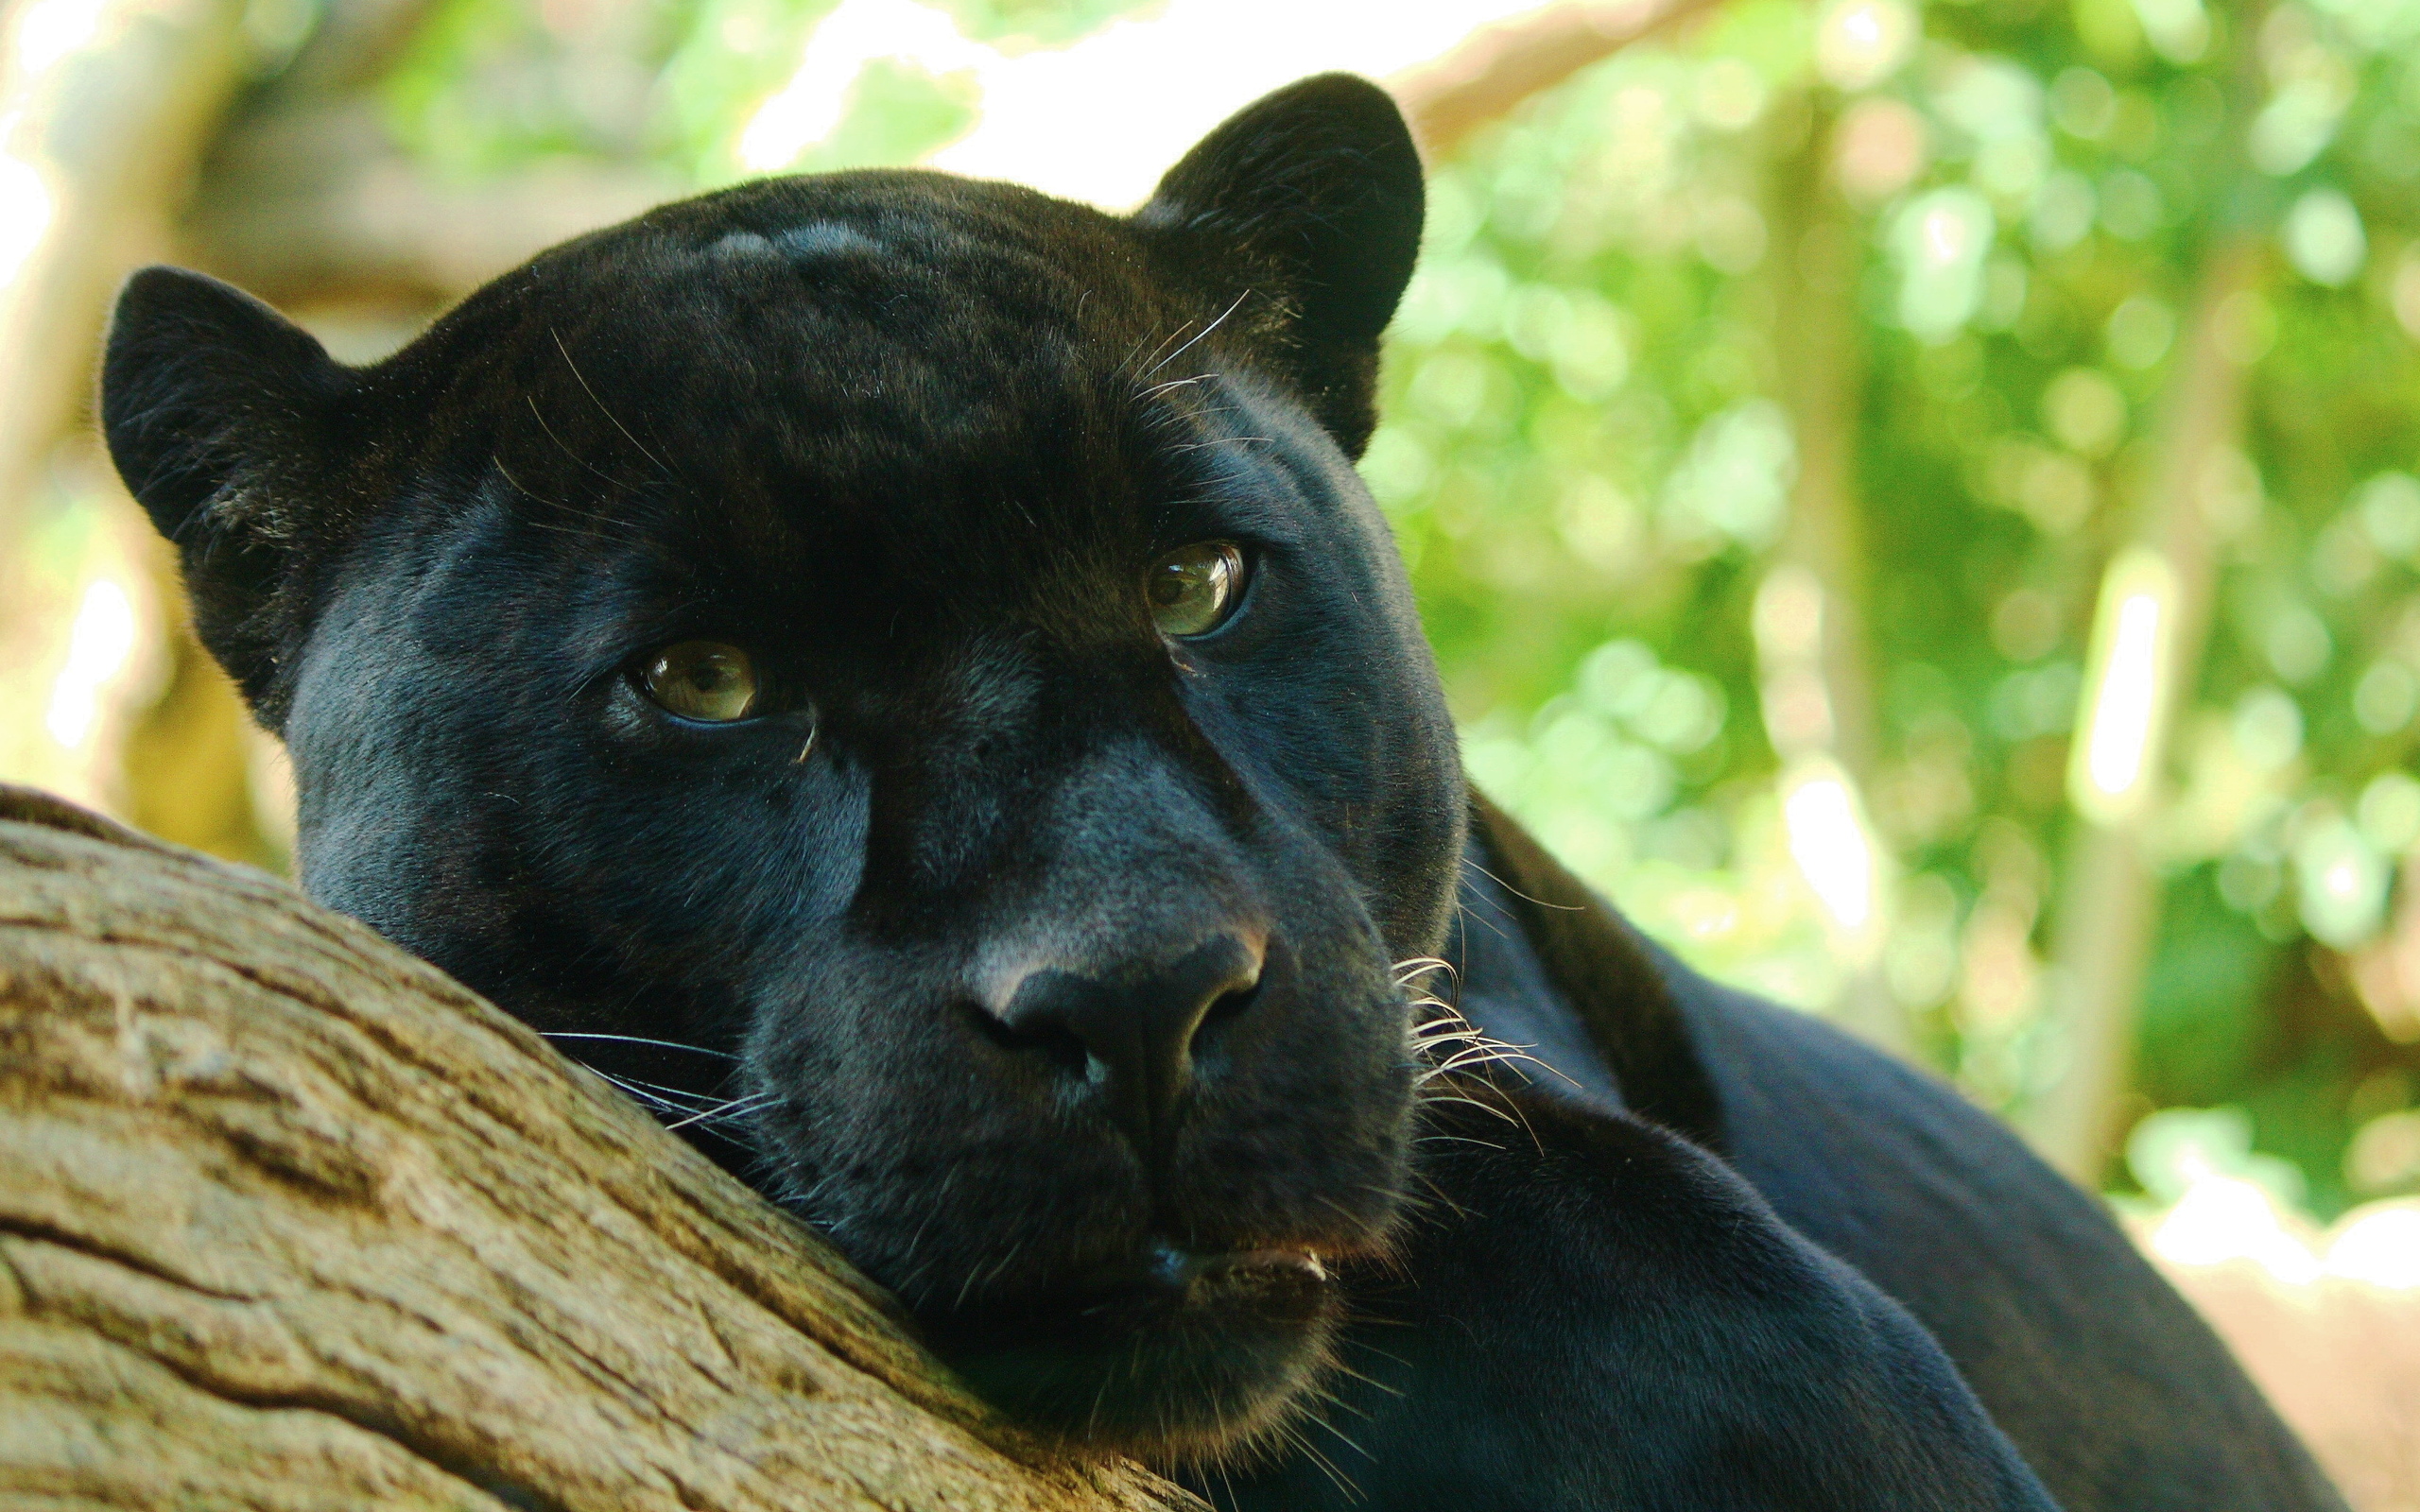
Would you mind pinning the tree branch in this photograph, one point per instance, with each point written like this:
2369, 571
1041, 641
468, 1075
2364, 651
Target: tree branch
1500, 66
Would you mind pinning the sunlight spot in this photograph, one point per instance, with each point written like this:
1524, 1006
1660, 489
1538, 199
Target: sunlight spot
2324, 239
2222, 1218
806, 110
2379, 1245
49, 30
1828, 840
25, 214
99, 648
1861, 42
2125, 690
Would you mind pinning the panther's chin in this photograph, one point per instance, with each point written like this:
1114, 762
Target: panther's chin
1177, 1358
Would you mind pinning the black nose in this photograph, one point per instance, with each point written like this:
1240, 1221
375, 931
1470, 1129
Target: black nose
1132, 1038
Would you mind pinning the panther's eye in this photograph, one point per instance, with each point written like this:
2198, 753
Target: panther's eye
705, 681
1193, 588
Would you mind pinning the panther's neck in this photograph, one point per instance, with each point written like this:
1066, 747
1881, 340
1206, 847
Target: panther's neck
1547, 962
1509, 993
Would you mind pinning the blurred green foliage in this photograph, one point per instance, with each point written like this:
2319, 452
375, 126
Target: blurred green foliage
490, 84
1589, 451
1606, 392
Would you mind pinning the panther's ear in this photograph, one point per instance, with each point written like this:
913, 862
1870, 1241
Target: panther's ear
222, 418
1306, 205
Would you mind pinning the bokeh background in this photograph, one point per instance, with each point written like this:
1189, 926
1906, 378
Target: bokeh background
1915, 498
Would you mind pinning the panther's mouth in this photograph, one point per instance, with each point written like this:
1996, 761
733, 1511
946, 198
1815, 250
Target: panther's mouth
1190, 1272
1174, 1354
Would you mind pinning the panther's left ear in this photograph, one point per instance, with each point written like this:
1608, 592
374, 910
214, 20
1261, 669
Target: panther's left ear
1306, 206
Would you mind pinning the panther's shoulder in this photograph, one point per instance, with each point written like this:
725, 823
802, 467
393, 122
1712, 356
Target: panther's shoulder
2084, 1355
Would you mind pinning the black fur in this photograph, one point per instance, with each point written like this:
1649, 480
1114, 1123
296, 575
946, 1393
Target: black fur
912, 442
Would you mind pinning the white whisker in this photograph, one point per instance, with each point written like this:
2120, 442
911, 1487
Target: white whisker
637, 1039
1204, 330
735, 1108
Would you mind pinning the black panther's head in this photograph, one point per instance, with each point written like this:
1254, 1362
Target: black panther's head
924, 644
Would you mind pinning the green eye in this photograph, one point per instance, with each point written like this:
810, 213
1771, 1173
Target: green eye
1193, 588
704, 681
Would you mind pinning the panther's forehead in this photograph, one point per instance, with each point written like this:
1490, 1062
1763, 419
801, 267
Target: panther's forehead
824, 296
877, 354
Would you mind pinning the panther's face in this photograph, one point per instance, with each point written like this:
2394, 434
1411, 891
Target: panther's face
923, 648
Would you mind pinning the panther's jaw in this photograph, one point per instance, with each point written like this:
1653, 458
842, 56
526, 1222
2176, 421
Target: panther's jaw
1182, 1359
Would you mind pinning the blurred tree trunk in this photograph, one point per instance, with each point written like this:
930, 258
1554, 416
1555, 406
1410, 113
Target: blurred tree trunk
108, 130
119, 122
289, 1219
1817, 264
1815, 267
2110, 887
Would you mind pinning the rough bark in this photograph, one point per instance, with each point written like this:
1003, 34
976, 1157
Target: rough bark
291, 1220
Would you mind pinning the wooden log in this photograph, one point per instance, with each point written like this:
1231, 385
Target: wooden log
291, 1220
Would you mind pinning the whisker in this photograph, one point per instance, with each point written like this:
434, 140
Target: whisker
1127, 361
1488, 1109
1479, 1048
1163, 346
1367, 1380
1416, 966
1465, 916
1221, 440
636, 1039
565, 447
602, 410
1460, 1139
1204, 330
639, 1091
1157, 389
735, 1108
1327, 1398
1343, 1482
1561, 908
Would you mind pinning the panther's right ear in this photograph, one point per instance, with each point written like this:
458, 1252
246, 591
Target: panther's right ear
223, 418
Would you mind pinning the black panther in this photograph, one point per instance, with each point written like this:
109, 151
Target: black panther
900, 673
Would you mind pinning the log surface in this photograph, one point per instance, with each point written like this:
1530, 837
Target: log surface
291, 1220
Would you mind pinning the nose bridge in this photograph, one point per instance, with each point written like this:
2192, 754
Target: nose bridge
1131, 867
